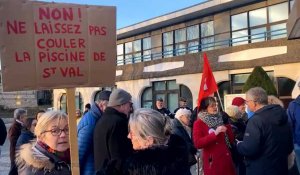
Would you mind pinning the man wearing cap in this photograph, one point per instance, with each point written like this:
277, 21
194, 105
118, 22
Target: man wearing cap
293, 112
160, 108
111, 145
240, 102
85, 131
182, 104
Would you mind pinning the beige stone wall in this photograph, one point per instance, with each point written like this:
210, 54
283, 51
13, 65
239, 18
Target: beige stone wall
18, 99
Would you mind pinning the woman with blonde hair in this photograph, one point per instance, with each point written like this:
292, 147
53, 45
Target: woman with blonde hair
49, 154
272, 100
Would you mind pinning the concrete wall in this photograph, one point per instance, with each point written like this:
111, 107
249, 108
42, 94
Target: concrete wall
192, 81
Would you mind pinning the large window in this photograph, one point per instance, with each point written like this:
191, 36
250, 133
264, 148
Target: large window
238, 81
258, 21
147, 49
168, 44
128, 53
137, 48
239, 27
278, 31
264, 23
147, 98
258, 34
193, 38
186, 40
278, 12
258, 17
285, 88
63, 102
120, 54
169, 91
180, 44
135, 51
207, 36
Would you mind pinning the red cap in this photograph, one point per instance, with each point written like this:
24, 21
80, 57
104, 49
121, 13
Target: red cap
238, 101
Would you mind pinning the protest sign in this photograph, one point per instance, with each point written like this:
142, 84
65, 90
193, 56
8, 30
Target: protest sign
53, 45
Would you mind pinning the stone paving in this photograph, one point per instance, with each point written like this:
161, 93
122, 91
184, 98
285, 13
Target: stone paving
4, 159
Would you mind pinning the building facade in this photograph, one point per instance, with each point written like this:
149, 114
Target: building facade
24, 99
162, 57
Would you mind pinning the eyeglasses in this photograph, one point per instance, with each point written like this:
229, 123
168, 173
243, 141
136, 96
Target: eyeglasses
57, 131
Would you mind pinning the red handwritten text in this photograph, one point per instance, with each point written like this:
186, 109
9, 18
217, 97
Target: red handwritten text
56, 13
23, 57
18, 27
56, 28
97, 30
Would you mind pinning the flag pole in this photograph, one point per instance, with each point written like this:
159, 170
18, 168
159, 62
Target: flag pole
220, 100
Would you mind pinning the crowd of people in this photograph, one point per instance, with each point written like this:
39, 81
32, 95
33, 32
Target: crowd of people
255, 135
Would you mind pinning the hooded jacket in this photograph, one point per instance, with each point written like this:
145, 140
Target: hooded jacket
25, 137
179, 130
85, 132
267, 142
32, 159
293, 112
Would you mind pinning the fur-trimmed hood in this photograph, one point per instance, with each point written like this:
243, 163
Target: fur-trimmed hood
33, 158
29, 155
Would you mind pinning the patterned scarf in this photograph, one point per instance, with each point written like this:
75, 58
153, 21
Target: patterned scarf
64, 156
213, 121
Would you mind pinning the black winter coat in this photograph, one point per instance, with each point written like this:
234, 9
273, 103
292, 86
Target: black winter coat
110, 140
3, 132
178, 129
13, 135
32, 159
238, 128
166, 112
25, 137
267, 142
167, 159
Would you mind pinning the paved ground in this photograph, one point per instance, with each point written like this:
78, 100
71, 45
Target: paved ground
4, 159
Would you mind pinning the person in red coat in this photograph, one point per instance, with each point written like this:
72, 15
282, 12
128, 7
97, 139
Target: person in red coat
214, 138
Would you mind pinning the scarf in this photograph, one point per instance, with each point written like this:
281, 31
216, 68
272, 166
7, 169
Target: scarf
64, 156
213, 121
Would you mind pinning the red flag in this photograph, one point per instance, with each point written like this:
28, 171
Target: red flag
208, 83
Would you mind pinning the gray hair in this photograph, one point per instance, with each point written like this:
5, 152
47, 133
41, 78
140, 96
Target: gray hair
46, 119
19, 112
149, 122
258, 95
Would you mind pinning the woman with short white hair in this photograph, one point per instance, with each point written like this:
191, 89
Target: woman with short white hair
158, 152
49, 154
